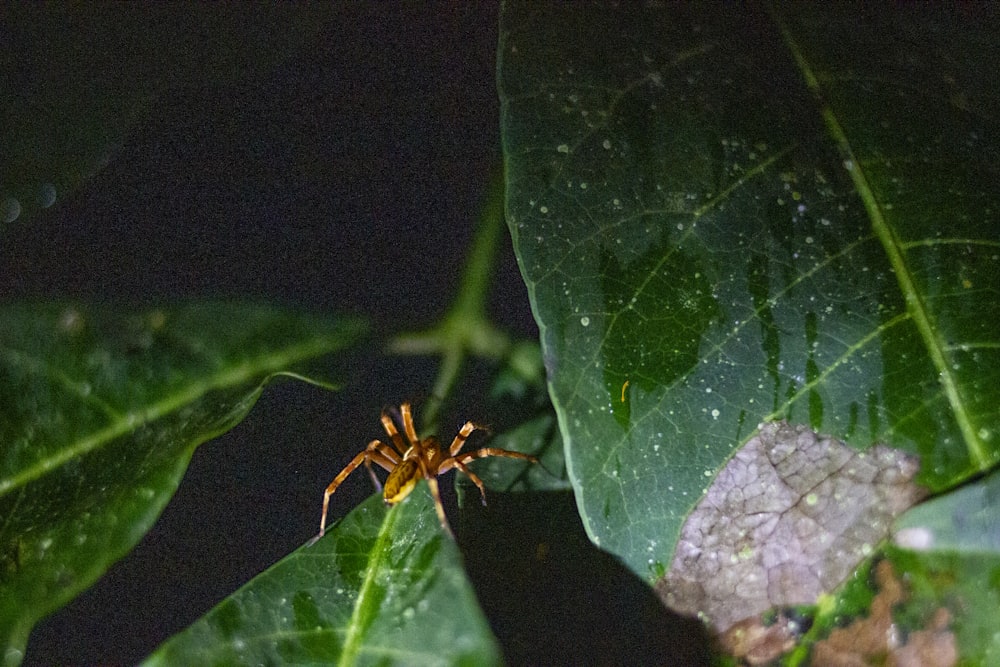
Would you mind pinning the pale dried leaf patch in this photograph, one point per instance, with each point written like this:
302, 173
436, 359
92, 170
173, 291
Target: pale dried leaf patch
789, 518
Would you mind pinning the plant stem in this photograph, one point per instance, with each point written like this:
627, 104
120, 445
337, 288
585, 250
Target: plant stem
465, 329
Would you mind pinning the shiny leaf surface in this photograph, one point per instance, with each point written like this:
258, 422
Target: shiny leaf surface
727, 217
383, 587
964, 521
102, 411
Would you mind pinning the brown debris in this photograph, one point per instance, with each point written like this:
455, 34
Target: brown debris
759, 644
875, 640
933, 646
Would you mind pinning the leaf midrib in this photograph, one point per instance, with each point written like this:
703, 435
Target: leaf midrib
356, 625
235, 376
915, 304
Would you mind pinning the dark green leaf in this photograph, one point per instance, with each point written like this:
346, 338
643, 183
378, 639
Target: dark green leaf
102, 410
78, 78
538, 437
727, 217
384, 587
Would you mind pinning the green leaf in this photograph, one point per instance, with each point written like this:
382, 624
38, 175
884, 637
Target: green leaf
965, 585
79, 79
966, 520
726, 217
102, 410
384, 586
948, 548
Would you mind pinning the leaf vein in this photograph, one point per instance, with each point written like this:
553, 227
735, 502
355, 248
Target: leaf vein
895, 251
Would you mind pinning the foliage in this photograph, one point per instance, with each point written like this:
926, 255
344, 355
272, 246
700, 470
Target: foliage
727, 218
371, 593
723, 217
103, 410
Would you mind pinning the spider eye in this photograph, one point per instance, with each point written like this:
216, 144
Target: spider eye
401, 481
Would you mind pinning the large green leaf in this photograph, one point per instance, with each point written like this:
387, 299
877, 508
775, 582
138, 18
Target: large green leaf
728, 216
385, 587
101, 412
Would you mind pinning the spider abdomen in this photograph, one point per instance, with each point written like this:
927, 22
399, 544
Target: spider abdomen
401, 481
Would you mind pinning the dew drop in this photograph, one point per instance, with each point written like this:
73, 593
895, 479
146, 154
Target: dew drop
10, 209
916, 539
47, 195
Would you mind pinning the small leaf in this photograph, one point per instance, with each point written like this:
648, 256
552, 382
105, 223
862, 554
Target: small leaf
538, 437
102, 410
788, 519
966, 520
383, 587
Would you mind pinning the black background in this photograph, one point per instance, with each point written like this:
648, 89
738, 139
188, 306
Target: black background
344, 177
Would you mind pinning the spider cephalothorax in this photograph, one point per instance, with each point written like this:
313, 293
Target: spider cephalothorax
410, 459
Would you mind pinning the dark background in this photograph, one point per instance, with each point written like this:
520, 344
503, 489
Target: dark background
341, 172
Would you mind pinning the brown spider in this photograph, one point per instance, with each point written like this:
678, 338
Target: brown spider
410, 459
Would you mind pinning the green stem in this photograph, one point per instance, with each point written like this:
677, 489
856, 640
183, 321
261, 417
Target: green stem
465, 329
475, 281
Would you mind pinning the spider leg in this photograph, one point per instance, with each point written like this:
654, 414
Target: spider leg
494, 451
390, 428
431, 481
376, 451
463, 435
474, 477
461, 461
382, 454
411, 432
439, 506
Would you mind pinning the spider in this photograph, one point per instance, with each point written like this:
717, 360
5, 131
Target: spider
410, 459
